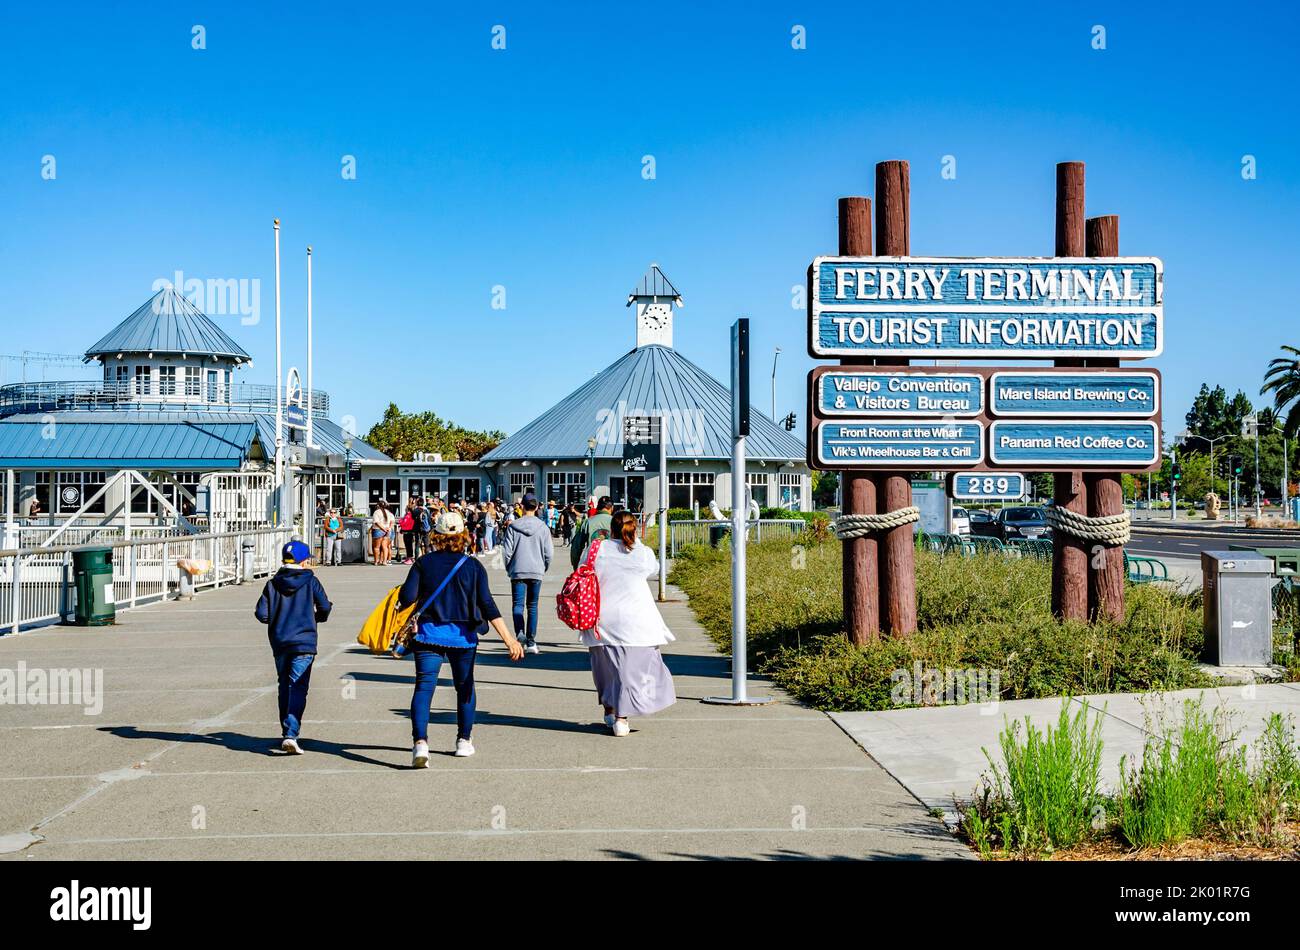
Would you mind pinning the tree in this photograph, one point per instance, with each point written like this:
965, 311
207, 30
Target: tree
401, 435
1283, 381
1213, 415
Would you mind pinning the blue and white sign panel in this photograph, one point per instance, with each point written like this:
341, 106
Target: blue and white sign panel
912, 444
1114, 395
1055, 442
988, 486
295, 417
916, 393
941, 307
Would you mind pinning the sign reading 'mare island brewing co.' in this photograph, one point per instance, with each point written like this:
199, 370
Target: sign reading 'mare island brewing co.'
945, 307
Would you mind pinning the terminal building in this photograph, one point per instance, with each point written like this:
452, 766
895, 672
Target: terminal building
166, 435
575, 448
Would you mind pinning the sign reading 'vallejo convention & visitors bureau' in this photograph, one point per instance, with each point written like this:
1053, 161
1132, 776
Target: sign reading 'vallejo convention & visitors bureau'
944, 307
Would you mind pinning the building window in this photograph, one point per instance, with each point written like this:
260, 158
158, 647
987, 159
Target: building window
792, 491
193, 381
566, 487
143, 381
688, 489
167, 381
522, 483
74, 489
758, 485
144, 502
122, 380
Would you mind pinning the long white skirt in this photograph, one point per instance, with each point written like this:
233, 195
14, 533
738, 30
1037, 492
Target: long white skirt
633, 681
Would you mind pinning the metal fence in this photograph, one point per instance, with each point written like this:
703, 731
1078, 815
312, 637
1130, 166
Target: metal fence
708, 531
37, 585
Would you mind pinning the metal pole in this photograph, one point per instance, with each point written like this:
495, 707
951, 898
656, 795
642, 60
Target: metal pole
1257, 492
279, 390
663, 513
775, 354
739, 632
1173, 482
311, 441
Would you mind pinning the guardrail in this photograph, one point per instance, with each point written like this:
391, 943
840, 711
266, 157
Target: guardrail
37, 587
50, 395
693, 531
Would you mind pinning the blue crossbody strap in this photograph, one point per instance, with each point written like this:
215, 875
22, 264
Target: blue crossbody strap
445, 581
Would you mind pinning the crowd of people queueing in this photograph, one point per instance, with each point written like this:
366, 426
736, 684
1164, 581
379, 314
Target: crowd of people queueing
453, 606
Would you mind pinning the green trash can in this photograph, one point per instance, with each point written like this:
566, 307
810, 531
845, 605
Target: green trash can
92, 576
718, 531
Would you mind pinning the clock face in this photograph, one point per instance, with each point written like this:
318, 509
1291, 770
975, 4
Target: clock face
655, 315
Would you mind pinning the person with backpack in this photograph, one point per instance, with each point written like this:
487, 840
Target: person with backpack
332, 528
292, 604
455, 605
626, 664
526, 552
596, 525
407, 527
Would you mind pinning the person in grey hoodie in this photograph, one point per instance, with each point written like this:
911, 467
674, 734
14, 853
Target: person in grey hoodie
526, 552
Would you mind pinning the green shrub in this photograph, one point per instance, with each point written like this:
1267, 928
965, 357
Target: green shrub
1045, 794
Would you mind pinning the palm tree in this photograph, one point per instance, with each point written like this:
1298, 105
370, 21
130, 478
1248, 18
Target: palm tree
1283, 381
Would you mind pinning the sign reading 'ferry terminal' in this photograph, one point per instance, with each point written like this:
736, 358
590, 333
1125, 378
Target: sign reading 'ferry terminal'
945, 307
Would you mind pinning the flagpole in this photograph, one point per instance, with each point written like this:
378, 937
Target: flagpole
279, 389
311, 441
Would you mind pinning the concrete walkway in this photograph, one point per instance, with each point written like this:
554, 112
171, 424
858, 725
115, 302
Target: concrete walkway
181, 761
937, 752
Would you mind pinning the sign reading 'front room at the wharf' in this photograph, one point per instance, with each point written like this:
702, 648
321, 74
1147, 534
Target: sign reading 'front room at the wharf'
942, 307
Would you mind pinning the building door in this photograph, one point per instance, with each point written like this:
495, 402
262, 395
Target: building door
635, 493
618, 491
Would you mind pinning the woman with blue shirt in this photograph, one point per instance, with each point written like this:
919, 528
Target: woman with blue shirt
454, 604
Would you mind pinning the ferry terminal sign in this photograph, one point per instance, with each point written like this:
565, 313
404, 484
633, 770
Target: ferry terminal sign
979, 308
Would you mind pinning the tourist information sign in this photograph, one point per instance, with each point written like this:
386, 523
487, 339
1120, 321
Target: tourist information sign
641, 444
1044, 443
877, 393
911, 444
1082, 393
988, 307
988, 486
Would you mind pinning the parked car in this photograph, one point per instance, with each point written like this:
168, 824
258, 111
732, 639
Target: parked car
1021, 524
960, 521
983, 522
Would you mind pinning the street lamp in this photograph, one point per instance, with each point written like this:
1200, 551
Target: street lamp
347, 473
775, 354
1185, 435
591, 465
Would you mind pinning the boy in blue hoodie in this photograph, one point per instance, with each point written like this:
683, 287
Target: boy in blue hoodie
292, 604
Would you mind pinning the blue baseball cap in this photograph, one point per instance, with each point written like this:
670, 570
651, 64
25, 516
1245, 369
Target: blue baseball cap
295, 552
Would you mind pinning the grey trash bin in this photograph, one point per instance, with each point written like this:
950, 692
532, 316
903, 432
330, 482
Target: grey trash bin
1238, 596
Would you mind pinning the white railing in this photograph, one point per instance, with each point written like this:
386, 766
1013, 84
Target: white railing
37, 585
697, 531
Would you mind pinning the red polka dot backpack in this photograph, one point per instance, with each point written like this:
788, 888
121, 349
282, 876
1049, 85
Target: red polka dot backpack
578, 602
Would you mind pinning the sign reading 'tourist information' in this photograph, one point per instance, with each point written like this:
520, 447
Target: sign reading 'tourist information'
914, 393
906, 444
1055, 442
1114, 395
941, 307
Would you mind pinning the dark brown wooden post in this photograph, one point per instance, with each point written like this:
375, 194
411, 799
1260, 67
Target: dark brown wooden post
861, 573
1070, 554
1105, 490
898, 546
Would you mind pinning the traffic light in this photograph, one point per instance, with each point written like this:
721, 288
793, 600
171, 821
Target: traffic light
1177, 471
1236, 464
789, 422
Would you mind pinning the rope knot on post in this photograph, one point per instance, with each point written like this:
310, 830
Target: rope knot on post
847, 527
1108, 530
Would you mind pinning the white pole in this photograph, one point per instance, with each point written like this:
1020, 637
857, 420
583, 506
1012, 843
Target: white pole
663, 512
279, 389
311, 441
739, 628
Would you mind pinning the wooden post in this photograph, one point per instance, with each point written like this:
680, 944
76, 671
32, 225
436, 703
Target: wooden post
898, 546
861, 571
1070, 554
1105, 490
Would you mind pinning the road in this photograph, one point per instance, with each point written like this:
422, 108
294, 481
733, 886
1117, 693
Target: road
1190, 540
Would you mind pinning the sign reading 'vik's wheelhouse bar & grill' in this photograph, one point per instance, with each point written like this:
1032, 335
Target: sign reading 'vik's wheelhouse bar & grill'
941, 307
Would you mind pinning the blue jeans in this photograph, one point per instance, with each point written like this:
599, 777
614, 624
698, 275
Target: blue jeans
428, 661
528, 590
294, 671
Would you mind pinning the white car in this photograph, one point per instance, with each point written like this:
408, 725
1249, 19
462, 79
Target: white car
960, 523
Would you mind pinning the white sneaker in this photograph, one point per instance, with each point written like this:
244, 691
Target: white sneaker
420, 755
291, 746
533, 648
621, 728
464, 748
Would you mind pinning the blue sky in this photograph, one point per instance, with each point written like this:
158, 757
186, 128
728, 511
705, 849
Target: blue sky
522, 168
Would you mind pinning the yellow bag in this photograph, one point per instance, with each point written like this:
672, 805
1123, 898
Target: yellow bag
384, 623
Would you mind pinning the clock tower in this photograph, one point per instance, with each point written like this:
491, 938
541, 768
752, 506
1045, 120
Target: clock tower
654, 297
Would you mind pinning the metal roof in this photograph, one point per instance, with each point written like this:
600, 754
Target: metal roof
56, 443
654, 284
201, 438
168, 323
652, 380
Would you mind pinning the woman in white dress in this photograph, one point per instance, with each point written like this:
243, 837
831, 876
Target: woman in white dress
629, 671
